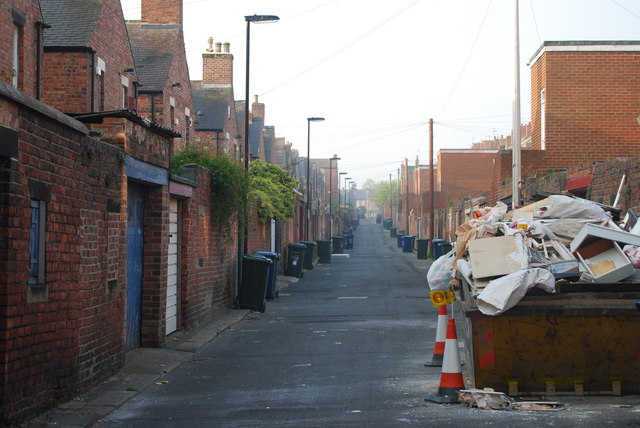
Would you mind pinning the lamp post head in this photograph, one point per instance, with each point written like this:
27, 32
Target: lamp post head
343, 173
335, 158
315, 119
261, 19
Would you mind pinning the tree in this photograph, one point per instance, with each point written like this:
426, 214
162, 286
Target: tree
381, 193
272, 187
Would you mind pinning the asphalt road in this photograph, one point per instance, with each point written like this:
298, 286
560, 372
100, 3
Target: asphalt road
344, 347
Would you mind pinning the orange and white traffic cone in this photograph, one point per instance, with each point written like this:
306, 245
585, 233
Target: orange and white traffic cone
451, 377
441, 335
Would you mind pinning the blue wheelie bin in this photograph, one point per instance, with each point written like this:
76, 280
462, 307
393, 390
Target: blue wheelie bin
272, 292
399, 237
438, 248
407, 243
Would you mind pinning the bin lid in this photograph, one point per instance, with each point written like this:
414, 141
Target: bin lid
299, 246
256, 258
268, 254
309, 243
438, 241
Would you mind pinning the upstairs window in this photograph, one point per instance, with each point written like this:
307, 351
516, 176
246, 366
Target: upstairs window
16, 55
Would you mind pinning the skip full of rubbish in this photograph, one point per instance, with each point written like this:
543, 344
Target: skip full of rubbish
561, 239
488, 399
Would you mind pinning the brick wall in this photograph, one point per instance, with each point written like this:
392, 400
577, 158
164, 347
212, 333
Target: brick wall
66, 334
28, 10
465, 173
208, 266
66, 85
591, 105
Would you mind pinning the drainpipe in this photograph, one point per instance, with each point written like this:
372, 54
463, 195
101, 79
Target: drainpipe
93, 79
40, 26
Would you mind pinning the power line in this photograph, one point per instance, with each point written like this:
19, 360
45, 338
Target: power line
464, 67
535, 23
345, 47
628, 10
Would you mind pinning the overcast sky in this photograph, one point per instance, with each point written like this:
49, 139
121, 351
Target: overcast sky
378, 70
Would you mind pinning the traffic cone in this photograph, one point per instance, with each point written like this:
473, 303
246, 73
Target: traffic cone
441, 332
451, 378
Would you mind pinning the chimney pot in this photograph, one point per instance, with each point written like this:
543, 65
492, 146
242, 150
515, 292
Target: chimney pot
226, 47
218, 46
255, 98
210, 43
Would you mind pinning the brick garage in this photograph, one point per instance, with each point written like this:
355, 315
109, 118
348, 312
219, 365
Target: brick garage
61, 332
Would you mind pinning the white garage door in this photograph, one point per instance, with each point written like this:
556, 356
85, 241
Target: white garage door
172, 270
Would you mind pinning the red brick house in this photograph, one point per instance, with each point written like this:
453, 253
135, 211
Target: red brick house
21, 47
87, 64
584, 101
157, 42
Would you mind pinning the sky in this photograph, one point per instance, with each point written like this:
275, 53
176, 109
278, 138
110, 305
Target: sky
377, 71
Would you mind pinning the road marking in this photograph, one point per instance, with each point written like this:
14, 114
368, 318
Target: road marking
352, 297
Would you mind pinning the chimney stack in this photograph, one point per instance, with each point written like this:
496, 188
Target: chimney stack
162, 11
257, 109
217, 66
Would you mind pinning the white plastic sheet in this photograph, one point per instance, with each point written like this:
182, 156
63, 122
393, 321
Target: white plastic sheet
560, 206
505, 292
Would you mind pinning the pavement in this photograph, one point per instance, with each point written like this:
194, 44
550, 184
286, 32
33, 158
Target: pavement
147, 366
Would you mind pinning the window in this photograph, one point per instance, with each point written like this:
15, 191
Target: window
543, 120
16, 55
125, 86
100, 68
37, 242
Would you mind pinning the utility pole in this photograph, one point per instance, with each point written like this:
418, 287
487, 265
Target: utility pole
515, 143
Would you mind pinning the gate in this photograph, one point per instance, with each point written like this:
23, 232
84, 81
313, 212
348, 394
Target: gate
135, 251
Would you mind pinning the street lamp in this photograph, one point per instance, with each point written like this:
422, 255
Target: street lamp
339, 203
334, 158
309, 120
243, 243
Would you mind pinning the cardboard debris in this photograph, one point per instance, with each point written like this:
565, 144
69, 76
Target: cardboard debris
497, 256
574, 239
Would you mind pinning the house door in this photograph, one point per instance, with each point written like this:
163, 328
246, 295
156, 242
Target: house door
135, 245
171, 317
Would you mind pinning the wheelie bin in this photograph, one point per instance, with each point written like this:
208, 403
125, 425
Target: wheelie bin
408, 243
338, 244
399, 237
309, 255
423, 248
272, 292
253, 287
324, 251
349, 242
393, 232
438, 248
295, 260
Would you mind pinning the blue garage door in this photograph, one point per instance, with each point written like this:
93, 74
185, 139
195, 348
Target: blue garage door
135, 235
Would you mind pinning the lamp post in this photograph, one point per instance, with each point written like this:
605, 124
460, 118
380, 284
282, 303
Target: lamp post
243, 242
346, 194
309, 120
334, 158
339, 198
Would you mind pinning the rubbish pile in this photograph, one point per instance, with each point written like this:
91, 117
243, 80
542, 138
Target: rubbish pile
502, 255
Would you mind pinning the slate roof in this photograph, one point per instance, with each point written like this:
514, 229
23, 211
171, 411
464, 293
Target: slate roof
211, 106
72, 21
152, 46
